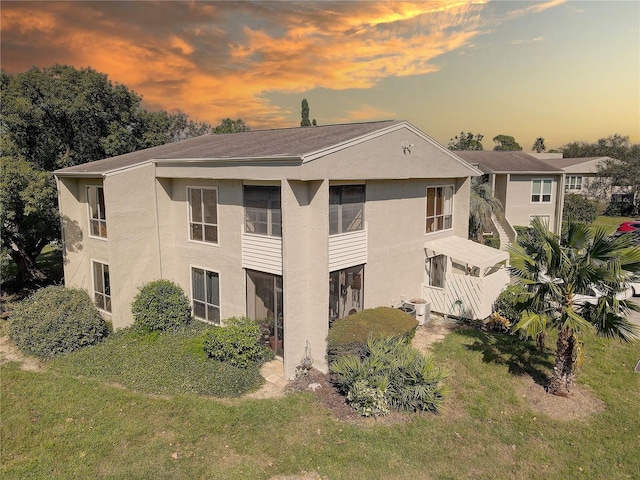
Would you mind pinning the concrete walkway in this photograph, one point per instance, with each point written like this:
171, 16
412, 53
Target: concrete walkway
273, 372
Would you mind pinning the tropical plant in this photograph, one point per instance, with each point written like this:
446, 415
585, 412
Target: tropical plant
554, 270
539, 146
390, 374
482, 206
506, 143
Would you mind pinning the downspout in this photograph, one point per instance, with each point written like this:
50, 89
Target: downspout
157, 215
560, 204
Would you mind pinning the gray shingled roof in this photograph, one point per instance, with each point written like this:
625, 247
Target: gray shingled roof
570, 162
278, 143
507, 162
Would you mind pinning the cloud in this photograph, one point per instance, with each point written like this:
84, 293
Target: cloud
214, 60
527, 40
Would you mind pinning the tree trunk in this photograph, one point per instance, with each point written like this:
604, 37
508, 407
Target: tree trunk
28, 270
564, 364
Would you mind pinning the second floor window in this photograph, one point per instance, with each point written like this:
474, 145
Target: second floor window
262, 214
97, 216
572, 182
439, 208
541, 191
203, 214
346, 208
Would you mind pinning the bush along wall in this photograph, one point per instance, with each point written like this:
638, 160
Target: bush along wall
160, 305
349, 335
237, 343
56, 320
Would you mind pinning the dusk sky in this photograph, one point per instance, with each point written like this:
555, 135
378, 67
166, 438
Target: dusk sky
563, 70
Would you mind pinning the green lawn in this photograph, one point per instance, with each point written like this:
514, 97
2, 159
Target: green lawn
610, 223
69, 422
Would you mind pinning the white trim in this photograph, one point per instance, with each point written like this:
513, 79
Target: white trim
205, 269
188, 198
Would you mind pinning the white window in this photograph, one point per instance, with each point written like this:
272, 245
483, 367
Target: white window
346, 208
545, 219
439, 208
205, 293
572, 182
262, 210
203, 214
97, 216
101, 286
436, 269
541, 191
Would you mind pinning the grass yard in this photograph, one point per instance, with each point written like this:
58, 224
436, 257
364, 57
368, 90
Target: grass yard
609, 223
71, 420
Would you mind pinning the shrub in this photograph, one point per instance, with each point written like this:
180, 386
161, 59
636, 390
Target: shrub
491, 241
56, 320
349, 335
390, 374
506, 303
237, 343
580, 208
160, 305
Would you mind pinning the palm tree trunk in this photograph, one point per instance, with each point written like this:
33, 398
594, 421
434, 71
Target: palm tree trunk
564, 364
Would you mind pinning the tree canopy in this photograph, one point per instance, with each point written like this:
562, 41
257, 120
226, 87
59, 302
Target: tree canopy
231, 126
506, 143
28, 213
61, 116
305, 122
538, 145
466, 141
623, 165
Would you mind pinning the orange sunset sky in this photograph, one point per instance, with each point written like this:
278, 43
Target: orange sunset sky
563, 70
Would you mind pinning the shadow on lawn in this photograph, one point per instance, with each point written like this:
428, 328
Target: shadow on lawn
521, 356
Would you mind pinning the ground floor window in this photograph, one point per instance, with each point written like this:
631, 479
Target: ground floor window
265, 303
436, 270
102, 286
346, 292
205, 293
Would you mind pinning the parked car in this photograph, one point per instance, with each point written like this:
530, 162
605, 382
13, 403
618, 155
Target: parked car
629, 226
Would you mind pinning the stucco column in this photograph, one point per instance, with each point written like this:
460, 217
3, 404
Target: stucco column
305, 271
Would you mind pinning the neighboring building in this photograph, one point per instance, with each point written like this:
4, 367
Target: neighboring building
581, 176
527, 186
299, 225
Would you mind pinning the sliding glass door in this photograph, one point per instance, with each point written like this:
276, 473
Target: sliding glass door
265, 303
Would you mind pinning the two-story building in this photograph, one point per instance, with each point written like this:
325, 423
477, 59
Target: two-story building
298, 225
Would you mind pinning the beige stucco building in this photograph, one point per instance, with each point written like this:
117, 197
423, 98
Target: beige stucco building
299, 225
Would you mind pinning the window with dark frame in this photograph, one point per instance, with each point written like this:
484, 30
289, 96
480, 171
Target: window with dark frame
203, 214
439, 208
262, 210
97, 215
541, 191
102, 286
346, 208
205, 288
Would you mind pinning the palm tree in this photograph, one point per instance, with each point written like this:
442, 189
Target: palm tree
538, 145
554, 270
482, 205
